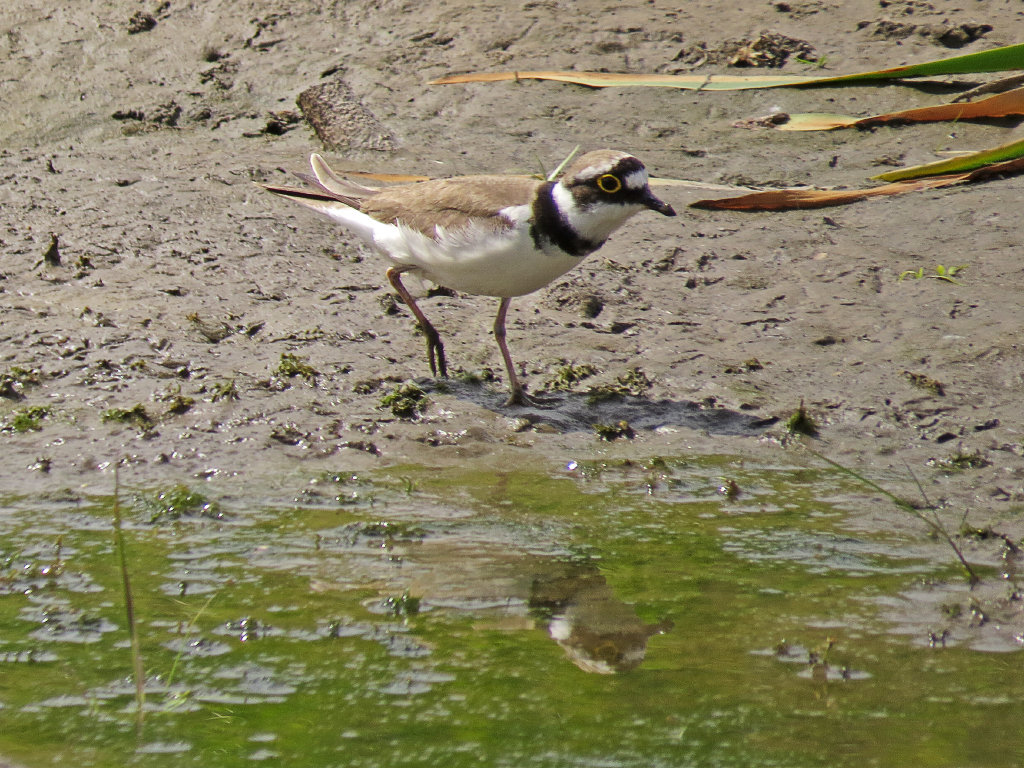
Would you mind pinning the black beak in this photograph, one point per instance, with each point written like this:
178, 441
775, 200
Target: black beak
657, 205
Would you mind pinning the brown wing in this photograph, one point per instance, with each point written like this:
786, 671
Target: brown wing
451, 203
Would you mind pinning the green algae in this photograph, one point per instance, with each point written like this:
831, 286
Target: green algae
441, 616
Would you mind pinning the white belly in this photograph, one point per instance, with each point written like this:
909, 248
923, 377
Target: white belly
501, 264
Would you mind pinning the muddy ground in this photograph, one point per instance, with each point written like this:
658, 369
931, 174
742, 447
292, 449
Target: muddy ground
133, 132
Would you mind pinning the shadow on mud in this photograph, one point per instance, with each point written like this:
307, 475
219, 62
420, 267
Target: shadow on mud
578, 412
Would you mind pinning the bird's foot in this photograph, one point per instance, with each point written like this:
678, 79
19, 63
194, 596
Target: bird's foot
435, 355
520, 398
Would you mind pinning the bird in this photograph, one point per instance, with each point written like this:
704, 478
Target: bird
491, 235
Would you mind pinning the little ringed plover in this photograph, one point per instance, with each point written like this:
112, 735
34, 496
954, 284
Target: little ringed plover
501, 236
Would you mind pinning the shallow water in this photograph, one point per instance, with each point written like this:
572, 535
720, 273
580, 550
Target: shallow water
607, 615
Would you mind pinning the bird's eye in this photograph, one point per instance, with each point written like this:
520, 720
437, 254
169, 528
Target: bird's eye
609, 183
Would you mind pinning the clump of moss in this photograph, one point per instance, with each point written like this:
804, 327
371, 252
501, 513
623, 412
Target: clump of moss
730, 489
388, 304
952, 610
633, 383
15, 380
214, 331
347, 487
292, 365
476, 377
568, 376
136, 416
224, 390
747, 366
611, 432
180, 404
925, 382
406, 401
591, 306
387, 531
177, 502
28, 419
367, 386
403, 606
961, 461
801, 423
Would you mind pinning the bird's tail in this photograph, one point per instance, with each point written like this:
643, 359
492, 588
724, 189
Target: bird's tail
330, 189
328, 180
322, 201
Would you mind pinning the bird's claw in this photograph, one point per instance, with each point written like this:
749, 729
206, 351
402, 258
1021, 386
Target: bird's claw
520, 398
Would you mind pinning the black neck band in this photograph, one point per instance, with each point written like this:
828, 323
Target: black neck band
549, 226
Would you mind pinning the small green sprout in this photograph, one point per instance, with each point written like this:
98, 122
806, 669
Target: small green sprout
818, 63
941, 273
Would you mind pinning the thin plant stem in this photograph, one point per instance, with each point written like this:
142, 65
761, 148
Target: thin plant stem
932, 522
188, 629
920, 488
138, 670
561, 166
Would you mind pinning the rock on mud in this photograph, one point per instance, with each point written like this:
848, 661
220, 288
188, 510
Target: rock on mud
340, 121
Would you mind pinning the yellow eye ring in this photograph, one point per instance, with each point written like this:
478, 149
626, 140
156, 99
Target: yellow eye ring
609, 183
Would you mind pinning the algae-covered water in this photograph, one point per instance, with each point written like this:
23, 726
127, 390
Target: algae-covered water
672, 613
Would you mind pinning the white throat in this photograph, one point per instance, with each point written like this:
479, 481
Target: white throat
596, 222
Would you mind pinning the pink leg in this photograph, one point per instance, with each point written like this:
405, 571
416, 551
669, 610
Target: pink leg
435, 349
518, 396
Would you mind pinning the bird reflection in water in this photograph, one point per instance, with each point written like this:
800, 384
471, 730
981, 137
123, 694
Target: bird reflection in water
565, 595
598, 632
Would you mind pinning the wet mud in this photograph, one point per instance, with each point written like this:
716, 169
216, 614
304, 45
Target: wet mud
162, 314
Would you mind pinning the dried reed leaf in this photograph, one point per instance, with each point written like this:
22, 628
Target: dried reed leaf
1002, 105
994, 60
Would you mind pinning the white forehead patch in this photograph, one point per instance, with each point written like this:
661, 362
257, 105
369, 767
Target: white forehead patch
636, 180
595, 170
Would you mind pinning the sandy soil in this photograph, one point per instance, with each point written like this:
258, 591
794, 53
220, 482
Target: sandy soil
134, 137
